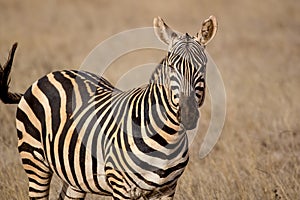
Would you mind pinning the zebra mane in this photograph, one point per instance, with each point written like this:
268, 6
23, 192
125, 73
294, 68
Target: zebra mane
161, 74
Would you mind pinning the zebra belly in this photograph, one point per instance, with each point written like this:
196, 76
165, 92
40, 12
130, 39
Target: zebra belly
78, 165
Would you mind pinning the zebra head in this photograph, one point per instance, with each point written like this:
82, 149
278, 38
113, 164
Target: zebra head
186, 66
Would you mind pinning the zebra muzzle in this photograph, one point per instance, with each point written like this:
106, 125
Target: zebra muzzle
188, 112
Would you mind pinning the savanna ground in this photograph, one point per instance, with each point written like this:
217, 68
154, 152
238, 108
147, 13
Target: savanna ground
257, 50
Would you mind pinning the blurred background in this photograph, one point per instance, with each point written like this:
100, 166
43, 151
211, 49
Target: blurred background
257, 50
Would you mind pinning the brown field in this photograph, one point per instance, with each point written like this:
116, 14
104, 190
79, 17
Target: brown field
257, 50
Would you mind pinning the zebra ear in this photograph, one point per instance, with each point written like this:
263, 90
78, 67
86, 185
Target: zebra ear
163, 31
208, 30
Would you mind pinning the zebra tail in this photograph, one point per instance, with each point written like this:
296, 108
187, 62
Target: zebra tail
6, 96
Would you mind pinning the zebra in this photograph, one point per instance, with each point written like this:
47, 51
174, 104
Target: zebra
98, 139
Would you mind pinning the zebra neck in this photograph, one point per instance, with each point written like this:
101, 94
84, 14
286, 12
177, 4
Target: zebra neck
169, 99
162, 76
153, 122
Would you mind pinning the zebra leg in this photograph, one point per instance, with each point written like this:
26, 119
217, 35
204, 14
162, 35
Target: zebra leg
69, 192
170, 197
115, 180
38, 173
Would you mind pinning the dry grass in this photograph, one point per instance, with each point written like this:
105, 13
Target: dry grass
257, 50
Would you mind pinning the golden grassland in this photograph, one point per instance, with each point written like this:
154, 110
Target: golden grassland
257, 50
